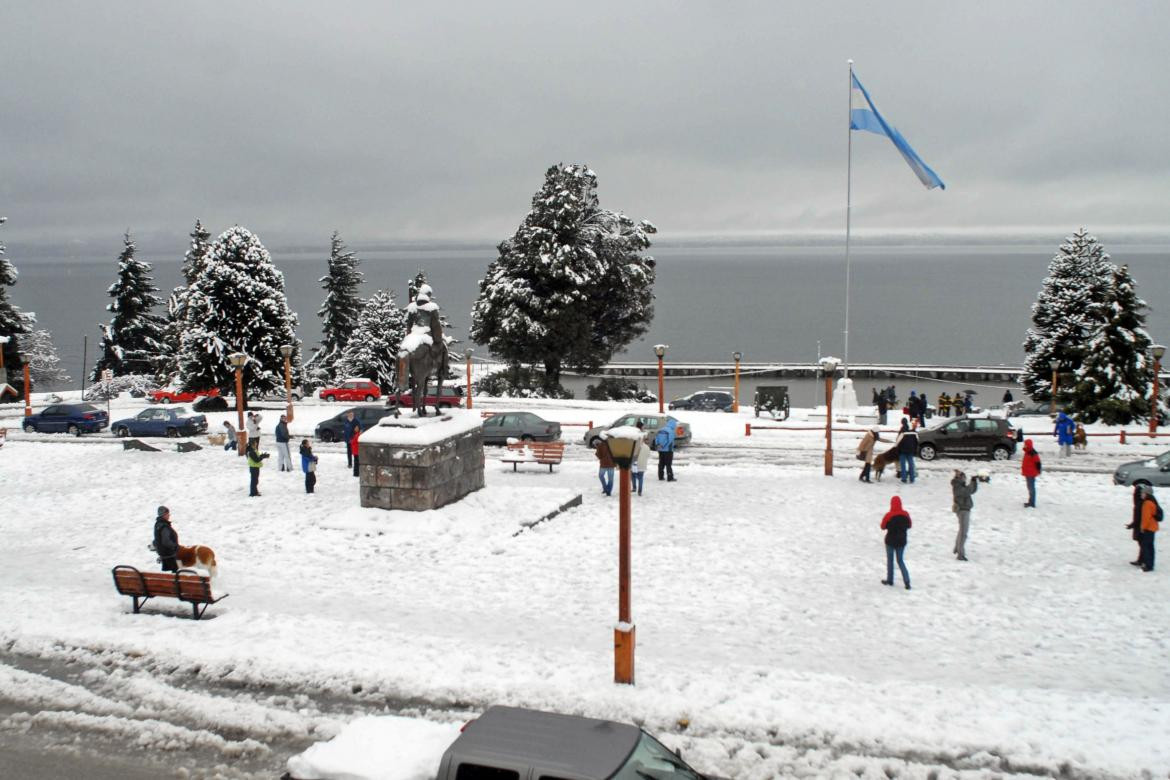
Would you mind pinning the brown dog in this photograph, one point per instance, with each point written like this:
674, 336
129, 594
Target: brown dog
203, 557
881, 460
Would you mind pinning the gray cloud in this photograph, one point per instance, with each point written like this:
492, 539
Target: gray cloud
437, 121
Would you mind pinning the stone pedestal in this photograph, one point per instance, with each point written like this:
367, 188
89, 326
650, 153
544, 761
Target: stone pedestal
420, 463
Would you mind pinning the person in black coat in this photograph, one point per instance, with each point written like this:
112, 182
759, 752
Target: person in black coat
1136, 525
346, 435
166, 541
907, 443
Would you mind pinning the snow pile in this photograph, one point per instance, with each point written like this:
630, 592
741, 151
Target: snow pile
382, 748
420, 431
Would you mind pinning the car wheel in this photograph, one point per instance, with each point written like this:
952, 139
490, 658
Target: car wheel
369, 398
1001, 453
594, 442
328, 436
172, 433
30, 428
527, 437
122, 431
164, 400
331, 398
927, 452
74, 430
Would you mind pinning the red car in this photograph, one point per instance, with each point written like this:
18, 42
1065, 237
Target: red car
452, 396
175, 397
352, 390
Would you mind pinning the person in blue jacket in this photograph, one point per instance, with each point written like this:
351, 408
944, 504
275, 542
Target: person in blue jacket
346, 435
664, 445
309, 465
1064, 432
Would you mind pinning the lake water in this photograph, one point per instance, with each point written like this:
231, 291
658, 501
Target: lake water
960, 304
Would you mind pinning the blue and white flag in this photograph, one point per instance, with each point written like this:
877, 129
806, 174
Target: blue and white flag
863, 115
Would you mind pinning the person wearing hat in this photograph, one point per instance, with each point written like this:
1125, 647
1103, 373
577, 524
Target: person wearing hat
283, 456
166, 541
1151, 515
865, 451
1030, 467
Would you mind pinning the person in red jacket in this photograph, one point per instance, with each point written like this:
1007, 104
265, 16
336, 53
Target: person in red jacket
896, 523
1030, 468
353, 446
1150, 512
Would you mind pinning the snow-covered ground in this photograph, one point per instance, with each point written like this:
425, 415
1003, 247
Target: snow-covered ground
766, 644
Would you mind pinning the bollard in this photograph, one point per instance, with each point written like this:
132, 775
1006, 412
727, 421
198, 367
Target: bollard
747, 429
1122, 436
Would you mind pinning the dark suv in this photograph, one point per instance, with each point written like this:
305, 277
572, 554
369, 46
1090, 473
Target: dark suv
704, 401
970, 437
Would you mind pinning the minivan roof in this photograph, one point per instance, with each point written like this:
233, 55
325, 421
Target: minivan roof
584, 747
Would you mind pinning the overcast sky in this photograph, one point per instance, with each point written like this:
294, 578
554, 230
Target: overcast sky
437, 120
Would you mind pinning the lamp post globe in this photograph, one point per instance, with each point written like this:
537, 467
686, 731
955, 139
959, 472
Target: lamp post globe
736, 356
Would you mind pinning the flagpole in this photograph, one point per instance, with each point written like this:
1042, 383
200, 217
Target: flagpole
848, 213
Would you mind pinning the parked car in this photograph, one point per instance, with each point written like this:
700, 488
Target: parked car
451, 396
67, 418
650, 423
213, 403
352, 390
366, 416
1152, 471
277, 394
1030, 409
968, 436
524, 426
173, 421
515, 742
174, 396
704, 401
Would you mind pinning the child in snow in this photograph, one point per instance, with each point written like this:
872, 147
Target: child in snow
896, 523
255, 461
308, 465
1030, 467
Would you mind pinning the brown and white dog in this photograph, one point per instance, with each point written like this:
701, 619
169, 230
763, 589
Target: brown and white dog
881, 460
203, 557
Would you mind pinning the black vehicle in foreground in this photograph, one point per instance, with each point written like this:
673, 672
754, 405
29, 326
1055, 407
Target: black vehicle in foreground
970, 437
365, 416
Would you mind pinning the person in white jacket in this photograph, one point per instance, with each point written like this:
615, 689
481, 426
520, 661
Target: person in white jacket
638, 464
253, 426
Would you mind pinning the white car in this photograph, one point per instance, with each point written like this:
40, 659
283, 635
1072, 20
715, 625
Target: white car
277, 395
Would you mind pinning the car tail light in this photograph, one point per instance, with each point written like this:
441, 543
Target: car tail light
679, 431
89, 416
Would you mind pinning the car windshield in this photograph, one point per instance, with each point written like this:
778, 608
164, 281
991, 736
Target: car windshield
179, 410
651, 759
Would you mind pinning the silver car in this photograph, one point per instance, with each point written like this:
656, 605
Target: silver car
650, 423
1154, 471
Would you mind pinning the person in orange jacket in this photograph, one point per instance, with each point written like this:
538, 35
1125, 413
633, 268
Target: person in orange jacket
1151, 514
1030, 467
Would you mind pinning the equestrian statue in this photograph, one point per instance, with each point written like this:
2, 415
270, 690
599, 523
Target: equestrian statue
423, 350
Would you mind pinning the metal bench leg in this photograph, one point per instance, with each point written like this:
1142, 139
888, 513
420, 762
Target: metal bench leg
514, 465
136, 604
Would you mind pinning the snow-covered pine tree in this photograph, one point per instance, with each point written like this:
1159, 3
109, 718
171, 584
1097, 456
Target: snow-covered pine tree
372, 350
236, 303
1113, 382
1069, 310
177, 302
13, 322
570, 287
339, 311
412, 287
44, 364
132, 343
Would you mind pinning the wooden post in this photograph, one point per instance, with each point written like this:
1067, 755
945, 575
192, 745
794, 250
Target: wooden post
27, 386
241, 432
829, 423
735, 398
288, 386
469, 379
1154, 400
1121, 436
623, 633
747, 429
661, 392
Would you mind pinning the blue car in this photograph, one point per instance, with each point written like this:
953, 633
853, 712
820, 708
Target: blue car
170, 421
67, 418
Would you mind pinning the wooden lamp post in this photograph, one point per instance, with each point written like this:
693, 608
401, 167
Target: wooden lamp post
237, 361
1158, 351
660, 350
287, 351
1055, 366
469, 351
738, 356
829, 368
622, 442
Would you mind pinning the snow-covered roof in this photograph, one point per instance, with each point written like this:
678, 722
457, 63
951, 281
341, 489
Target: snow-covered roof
422, 430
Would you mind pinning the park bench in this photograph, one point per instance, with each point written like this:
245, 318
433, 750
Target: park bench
548, 453
184, 585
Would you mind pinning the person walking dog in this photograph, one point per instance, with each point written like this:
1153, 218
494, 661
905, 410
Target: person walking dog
896, 523
166, 541
961, 492
865, 451
1030, 467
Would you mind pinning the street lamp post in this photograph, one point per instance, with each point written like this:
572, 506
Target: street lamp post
1055, 366
622, 442
735, 399
237, 360
1158, 351
27, 388
660, 350
469, 351
829, 368
287, 351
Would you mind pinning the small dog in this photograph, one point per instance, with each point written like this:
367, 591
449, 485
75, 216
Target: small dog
203, 557
881, 460
1080, 440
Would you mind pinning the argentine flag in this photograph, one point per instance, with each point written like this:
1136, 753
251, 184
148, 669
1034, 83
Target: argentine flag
863, 115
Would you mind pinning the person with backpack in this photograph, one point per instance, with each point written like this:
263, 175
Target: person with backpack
1030, 467
664, 444
907, 444
308, 465
1151, 520
896, 523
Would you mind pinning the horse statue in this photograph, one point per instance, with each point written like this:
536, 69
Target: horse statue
424, 350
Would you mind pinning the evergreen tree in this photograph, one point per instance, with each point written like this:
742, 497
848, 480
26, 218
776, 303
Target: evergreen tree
372, 351
133, 342
570, 287
236, 304
1113, 382
177, 302
44, 364
339, 311
13, 322
1069, 310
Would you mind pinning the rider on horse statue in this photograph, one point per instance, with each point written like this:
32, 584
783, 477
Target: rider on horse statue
424, 348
